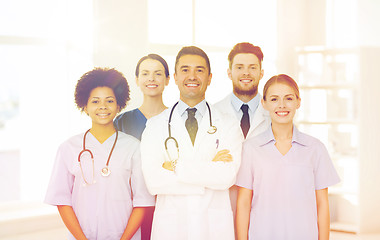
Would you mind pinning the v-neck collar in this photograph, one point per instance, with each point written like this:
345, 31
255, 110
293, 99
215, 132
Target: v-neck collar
96, 141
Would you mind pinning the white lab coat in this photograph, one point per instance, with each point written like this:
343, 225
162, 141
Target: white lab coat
192, 202
260, 122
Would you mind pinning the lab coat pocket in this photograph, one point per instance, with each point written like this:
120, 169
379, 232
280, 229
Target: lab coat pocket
221, 224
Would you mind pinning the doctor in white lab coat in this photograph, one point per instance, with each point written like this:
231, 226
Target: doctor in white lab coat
259, 119
192, 193
245, 71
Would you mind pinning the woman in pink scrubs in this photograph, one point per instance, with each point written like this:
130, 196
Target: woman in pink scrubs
284, 175
97, 182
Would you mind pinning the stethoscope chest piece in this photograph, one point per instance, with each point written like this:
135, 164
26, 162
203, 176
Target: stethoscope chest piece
105, 172
212, 130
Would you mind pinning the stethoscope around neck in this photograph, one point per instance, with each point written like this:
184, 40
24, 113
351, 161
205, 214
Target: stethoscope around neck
212, 129
105, 172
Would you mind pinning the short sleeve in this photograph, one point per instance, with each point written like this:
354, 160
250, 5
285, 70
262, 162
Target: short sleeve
325, 174
245, 174
141, 196
60, 187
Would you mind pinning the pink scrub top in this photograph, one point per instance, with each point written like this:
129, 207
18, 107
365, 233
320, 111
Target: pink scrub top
103, 209
284, 201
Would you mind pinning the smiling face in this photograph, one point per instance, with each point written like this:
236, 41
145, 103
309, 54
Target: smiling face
282, 102
192, 78
245, 73
152, 79
102, 106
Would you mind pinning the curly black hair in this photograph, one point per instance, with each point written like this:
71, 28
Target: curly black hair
102, 77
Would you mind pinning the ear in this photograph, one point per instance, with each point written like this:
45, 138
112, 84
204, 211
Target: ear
137, 80
299, 103
229, 73
175, 78
261, 73
209, 79
263, 103
167, 81
85, 110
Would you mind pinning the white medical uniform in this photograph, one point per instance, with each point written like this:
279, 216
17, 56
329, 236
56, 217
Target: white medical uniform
103, 208
259, 122
192, 202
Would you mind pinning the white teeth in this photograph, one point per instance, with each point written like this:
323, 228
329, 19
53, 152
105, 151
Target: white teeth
282, 113
151, 86
102, 114
191, 85
246, 80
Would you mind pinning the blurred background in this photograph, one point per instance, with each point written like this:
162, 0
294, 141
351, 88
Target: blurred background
331, 47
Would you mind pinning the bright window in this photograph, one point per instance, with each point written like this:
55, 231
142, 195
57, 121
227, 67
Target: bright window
215, 26
44, 46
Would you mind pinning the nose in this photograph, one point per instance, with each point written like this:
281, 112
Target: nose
245, 72
151, 77
192, 75
103, 105
281, 103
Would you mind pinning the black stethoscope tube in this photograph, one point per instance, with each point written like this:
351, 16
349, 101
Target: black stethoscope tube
212, 129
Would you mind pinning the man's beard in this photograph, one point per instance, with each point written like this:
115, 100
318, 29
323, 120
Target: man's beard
245, 92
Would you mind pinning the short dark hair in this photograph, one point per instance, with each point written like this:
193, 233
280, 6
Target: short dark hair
193, 50
245, 47
284, 79
102, 77
154, 57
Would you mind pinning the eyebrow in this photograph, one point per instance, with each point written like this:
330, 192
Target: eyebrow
187, 66
287, 95
241, 64
147, 70
106, 97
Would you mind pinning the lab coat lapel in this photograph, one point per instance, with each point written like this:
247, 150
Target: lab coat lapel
258, 118
225, 107
203, 127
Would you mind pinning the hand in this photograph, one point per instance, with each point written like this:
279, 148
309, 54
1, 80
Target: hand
168, 165
223, 156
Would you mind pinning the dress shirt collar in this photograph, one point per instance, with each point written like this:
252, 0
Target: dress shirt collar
253, 104
297, 137
201, 108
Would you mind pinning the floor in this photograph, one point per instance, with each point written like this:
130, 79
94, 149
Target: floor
345, 236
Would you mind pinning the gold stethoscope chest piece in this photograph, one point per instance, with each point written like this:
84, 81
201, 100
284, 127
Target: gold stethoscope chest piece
105, 172
211, 130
